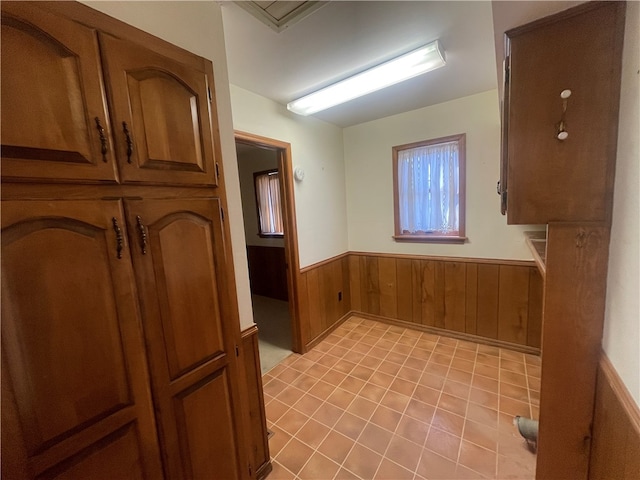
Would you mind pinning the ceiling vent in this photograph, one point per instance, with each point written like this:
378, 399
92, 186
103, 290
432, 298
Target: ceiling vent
280, 14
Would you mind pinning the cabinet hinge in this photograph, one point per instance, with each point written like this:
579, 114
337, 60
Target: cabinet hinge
507, 70
210, 96
237, 351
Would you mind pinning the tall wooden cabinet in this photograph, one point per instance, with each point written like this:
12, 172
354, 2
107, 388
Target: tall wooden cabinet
75, 390
121, 344
560, 119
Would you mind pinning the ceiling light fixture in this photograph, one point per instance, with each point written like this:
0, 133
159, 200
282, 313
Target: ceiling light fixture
404, 67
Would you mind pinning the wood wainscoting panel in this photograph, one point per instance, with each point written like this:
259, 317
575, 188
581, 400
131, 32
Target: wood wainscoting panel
536, 291
513, 304
325, 297
496, 299
499, 300
615, 449
268, 271
259, 454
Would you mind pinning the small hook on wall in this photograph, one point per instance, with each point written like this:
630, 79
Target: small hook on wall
562, 134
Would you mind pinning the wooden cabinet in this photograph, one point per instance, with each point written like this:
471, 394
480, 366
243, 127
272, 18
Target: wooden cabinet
54, 117
546, 179
177, 255
160, 110
160, 125
75, 383
121, 346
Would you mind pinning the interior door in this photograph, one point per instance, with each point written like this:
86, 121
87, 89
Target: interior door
54, 118
180, 264
161, 113
75, 397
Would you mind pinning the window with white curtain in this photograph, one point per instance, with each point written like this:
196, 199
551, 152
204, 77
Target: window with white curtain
268, 202
429, 194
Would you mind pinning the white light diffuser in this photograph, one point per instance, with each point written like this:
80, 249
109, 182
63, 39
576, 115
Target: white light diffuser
409, 65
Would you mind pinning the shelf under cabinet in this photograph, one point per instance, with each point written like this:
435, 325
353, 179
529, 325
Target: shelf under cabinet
537, 243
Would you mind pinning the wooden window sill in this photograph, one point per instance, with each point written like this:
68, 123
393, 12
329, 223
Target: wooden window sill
430, 238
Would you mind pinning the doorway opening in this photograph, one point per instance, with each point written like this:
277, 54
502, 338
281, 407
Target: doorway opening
266, 177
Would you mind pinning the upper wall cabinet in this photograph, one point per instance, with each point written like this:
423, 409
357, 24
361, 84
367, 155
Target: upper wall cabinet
161, 115
560, 115
159, 128
54, 117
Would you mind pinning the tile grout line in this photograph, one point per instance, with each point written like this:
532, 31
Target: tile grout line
413, 344
424, 447
405, 408
378, 404
464, 425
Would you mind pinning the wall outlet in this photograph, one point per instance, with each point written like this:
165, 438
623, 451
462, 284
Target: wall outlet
339, 296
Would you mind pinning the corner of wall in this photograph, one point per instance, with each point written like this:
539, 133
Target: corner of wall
621, 340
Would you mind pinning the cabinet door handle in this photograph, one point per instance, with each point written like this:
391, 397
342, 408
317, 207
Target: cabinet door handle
127, 136
103, 139
143, 235
119, 237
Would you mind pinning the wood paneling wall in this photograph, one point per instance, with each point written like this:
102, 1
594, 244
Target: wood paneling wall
324, 298
259, 455
615, 448
494, 299
498, 300
268, 271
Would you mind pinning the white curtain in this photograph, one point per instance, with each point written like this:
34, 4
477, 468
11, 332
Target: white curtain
270, 211
428, 188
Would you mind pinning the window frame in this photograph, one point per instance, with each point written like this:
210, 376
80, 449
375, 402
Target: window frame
261, 234
436, 237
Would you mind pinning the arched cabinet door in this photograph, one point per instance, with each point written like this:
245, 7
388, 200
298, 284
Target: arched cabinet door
191, 334
162, 115
54, 118
75, 398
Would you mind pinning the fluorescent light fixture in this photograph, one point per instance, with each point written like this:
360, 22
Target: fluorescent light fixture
404, 67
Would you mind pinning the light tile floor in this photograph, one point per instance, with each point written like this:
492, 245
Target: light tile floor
380, 401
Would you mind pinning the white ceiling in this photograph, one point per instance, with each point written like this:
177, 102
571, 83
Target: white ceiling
343, 38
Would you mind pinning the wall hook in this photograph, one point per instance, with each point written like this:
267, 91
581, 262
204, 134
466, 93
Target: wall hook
562, 134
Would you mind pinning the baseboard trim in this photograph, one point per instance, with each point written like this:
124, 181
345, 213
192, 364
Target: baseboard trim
264, 471
327, 332
449, 333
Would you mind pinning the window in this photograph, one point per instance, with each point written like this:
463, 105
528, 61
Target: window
428, 187
268, 202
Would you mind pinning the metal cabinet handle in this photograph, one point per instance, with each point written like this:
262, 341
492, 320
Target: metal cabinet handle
119, 237
143, 235
127, 136
103, 139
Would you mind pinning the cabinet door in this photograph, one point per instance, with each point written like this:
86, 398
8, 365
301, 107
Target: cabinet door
54, 118
179, 261
572, 179
161, 115
75, 397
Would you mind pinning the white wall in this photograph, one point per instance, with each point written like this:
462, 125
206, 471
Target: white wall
197, 27
370, 181
249, 162
622, 320
316, 146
